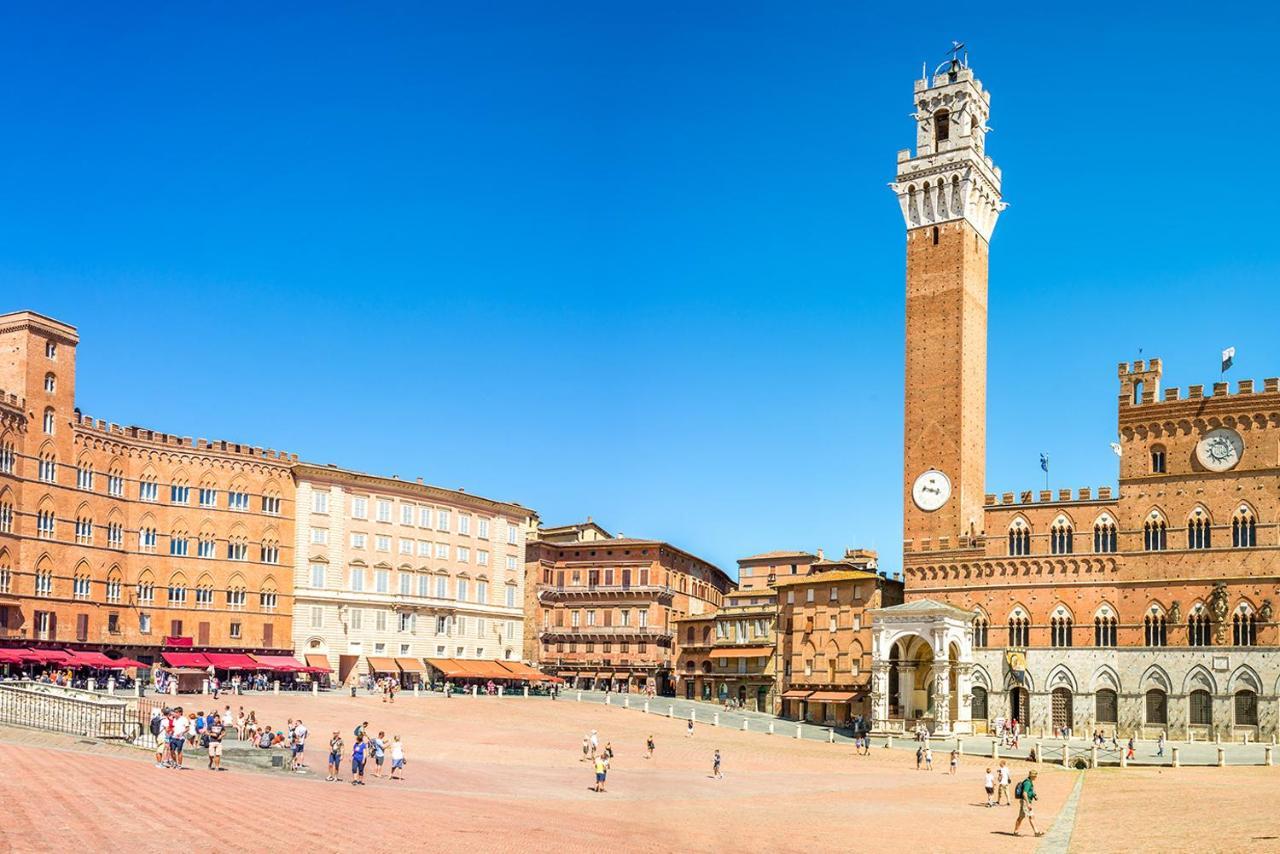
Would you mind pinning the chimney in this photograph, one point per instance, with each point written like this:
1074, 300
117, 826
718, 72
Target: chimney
820, 555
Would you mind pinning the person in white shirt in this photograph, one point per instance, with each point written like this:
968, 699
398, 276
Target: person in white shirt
178, 737
990, 782
397, 758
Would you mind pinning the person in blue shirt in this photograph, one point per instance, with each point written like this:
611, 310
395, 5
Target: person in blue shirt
357, 761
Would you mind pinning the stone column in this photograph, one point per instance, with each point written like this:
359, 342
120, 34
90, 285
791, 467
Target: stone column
942, 698
879, 694
964, 688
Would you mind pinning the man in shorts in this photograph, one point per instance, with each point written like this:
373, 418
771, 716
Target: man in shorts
214, 730
299, 744
1026, 793
335, 757
178, 737
600, 772
1002, 784
357, 761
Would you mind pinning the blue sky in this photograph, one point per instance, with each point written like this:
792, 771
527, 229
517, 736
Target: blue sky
636, 261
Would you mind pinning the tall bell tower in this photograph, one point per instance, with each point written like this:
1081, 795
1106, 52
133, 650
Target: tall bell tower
950, 197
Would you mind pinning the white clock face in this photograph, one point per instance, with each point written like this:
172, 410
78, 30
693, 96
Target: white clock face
1220, 449
931, 490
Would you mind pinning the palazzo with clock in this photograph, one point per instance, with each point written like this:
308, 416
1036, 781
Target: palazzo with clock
1145, 608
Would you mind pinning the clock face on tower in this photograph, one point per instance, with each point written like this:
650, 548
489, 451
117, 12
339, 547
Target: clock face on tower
931, 490
1220, 449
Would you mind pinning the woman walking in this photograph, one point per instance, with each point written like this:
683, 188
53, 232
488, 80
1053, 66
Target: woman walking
397, 758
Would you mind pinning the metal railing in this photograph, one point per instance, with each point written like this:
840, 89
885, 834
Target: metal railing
66, 710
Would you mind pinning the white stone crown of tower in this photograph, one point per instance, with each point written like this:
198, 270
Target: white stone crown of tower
951, 177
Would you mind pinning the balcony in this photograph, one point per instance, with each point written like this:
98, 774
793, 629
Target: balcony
608, 592
605, 633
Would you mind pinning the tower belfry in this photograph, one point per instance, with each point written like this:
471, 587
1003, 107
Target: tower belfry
949, 192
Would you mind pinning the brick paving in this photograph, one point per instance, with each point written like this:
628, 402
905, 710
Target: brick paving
505, 773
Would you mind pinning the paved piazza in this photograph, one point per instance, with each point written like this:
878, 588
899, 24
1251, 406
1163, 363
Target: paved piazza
504, 774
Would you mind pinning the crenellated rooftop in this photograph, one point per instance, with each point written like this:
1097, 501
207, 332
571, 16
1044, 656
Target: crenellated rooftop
219, 446
1049, 496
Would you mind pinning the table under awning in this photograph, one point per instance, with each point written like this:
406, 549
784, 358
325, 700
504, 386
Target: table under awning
186, 659
318, 661
232, 661
279, 663
409, 665
831, 697
743, 652
380, 664
796, 695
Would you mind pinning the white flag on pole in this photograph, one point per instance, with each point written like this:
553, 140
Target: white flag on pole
1228, 358
1115, 446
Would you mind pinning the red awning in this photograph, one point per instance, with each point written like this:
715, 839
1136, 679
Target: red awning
231, 661
82, 658
279, 663
186, 659
45, 656
124, 663
10, 656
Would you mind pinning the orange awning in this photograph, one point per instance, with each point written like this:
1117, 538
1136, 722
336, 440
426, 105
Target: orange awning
831, 697
796, 695
743, 652
448, 667
382, 665
318, 660
409, 665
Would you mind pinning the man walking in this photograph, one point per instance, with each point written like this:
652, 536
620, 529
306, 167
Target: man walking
715, 766
1160, 744
214, 732
1002, 784
1026, 794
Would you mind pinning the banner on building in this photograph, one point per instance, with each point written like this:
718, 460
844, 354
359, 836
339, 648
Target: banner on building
1017, 666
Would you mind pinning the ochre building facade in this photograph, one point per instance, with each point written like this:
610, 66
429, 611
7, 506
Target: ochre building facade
1145, 608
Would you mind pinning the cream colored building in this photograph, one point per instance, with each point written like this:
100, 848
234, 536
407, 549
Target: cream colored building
391, 570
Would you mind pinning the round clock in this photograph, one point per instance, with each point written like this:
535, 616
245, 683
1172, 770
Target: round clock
931, 490
1220, 449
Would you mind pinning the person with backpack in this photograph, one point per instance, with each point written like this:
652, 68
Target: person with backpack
1025, 793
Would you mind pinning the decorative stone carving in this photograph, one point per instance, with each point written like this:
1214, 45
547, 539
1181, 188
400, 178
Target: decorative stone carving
1175, 612
1219, 607
1265, 611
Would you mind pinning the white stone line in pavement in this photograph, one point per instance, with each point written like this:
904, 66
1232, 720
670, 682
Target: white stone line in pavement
1058, 839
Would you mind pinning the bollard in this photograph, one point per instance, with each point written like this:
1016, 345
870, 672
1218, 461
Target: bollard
1066, 755
959, 746
831, 736
646, 707
1273, 739
995, 750
798, 731
626, 701
93, 684
526, 692
137, 688
1222, 758
111, 686
1175, 758
204, 686
275, 686
1093, 756
1191, 736
475, 690
1266, 755
1124, 758
579, 696
315, 689
888, 742
502, 690
770, 727
608, 700
671, 710
1244, 738
693, 715
744, 729
1217, 737
715, 719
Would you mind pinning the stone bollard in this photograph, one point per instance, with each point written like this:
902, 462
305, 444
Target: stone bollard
1217, 737
93, 684
1191, 737
671, 710
1244, 738
111, 686
1093, 756
626, 701
744, 728
693, 715
1222, 758
475, 690
502, 689
1175, 761
715, 719
579, 696
995, 750
831, 736
959, 746
608, 700
888, 742
770, 727
646, 707
275, 686
1266, 755
315, 689
173, 687
1124, 758
798, 731
1066, 755
526, 692
137, 688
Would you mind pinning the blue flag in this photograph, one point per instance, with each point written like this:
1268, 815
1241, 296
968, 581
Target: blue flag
1044, 462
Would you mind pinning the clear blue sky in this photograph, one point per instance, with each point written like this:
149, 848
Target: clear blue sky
636, 261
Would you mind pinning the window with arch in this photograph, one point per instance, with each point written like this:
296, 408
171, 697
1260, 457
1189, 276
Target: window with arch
1199, 628
6, 516
1244, 627
1060, 628
114, 586
980, 630
1019, 538
1201, 702
1198, 529
179, 543
81, 585
1244, 529
207, 544
1157, 459
236, 597
204, 595
1019, 629
941, 126
271, 551
46, 524
47, 467
1104, 628
115, 482
1155, 535
1154, 629
237, 548
1061, 537
49, 418
1157, 706
50, 383
84, 476
84, 531
1104, 535
1106, 706
146, 592
7, 457
44, 582
148, 488
177, 592
1246, 705
268, 598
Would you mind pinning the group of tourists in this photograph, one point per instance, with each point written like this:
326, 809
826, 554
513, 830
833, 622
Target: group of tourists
1008, 730
175, 730
997, 786
363, 748
601, 759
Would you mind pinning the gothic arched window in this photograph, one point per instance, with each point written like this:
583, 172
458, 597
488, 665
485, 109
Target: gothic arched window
941, 126
1198, 531
1061, 537
1199, 629
1019, 538
1154, 533
1104, 535
1244, 529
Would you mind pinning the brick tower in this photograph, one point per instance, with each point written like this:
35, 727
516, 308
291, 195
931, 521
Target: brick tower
950, 197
